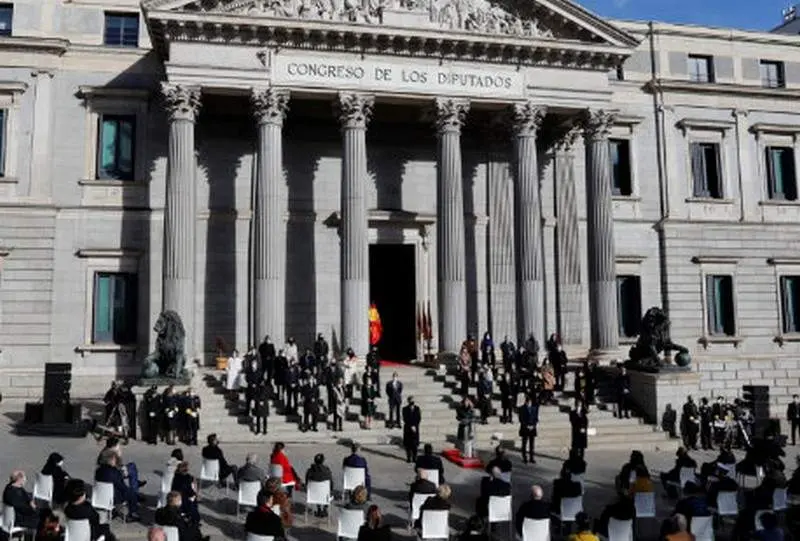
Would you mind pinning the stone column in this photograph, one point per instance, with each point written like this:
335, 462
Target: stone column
527, 118
270, 107
354, 112
568, 258
450, 116
600, 234
180, 213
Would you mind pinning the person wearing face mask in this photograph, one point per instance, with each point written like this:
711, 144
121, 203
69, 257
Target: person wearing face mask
54, 467
253, 377
394, 394
558, 359
266, 352
412, 417
310, 404
793, 417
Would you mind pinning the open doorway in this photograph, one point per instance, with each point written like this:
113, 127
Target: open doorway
392, 287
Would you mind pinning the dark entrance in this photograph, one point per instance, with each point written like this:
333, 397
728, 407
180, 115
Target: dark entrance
392, 288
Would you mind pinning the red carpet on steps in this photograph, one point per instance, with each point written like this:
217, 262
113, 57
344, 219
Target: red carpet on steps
454, 456
395, 364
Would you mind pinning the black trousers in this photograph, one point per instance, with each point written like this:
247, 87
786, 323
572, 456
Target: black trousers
690, 435
151, 429
795, 428
394, 413
528, 446
309, 418
337, 421
706, 441
261, 425
291, 399
622, 406
411, 453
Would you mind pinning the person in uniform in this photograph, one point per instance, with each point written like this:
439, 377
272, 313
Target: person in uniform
261, 409
623, 384
412, 417
110, 400
191, 416
128, 399
508, 398
170, 419
152, 415
339, 405
528, 421
690, 422
706, 425
310, 404
266, 353
579, 422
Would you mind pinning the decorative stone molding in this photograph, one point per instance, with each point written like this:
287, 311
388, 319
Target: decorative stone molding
450, 114
526, 118
107, 253
354, 110
270, 105
566, 141
181, 102
596, 123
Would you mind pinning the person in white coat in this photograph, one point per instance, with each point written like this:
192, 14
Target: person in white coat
290, 350
232, 373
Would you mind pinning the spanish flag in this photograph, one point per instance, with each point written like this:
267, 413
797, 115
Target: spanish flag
375, 326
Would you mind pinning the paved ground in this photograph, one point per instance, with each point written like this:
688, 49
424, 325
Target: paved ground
389, 471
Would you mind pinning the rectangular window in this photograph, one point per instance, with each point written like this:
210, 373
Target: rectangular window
629, 305
781, 179
3, 122
701, 68
114, 309
621, 167
772, 74
115, 147
122, 30
706, 170
719, 305
6, 18
790, 304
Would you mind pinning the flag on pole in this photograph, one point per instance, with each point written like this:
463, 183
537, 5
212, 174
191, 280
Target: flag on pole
375, 326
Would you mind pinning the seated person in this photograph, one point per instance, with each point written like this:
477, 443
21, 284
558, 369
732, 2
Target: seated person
576, 463
429, 461
373, 528
535, 508
475, 530
793, 486
78, 508
262, 521
172, 515
500, 461
109, 472
354, 460
622, 509
421, 485
250, 472
564, 487
54, 467
760, 498
494, 485
319, 472
16, 496
583, 525
642, 482
49, 528
672, 477
771, 531
439, 502
693, 503
676, 528
774, 470
212, 451
724, 483
635, 461
183, 483
358, 499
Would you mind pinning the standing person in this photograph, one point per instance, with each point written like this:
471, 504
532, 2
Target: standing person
508, 398
623, 384
128, 400
368, 394
292, 387
579, 423
152, 407
110, 400
793, 417
192, 416
232, 375
472, 349
464, 364
310, 404
528, 421
253, 376
374, 364
706, 425
487, 351
394, 394
290, 350
339, 408
289, 478
412, 417
170, 420
281, 370
558, 359
507, 350
266, 353
690, 422
321, 350
591, 382
261, 410
484, 395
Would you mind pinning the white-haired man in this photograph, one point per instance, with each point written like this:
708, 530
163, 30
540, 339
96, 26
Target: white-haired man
251, 471
536, 508
17, 497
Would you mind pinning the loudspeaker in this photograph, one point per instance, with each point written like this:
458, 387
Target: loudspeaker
57, 385
56, 413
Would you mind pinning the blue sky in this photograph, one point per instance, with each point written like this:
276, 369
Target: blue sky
746, 14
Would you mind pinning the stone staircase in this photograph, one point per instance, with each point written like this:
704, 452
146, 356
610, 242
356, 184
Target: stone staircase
435, 394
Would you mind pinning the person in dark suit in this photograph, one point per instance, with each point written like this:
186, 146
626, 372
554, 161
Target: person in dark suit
528, 420
564, 487
261, 409
493, 485
580, 427
536, 508
508, 398
54, 467
421, 485
152, 408
172, 515
354, 460
623, 388
412, 417
622, 509
499, 461
394, 395
212, 451
310, 404
319, 472
183, 483
429, 461
266, 353
78, 508
793, 417
438, 502
262, 521
251, 471
108, 472
15, 495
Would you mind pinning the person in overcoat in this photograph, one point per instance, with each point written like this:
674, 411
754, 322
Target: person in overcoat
412, 417
580, 428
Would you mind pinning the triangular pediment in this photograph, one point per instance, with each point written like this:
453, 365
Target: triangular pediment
543, 19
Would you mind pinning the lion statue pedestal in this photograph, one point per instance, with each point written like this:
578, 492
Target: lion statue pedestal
654, 339
166, 365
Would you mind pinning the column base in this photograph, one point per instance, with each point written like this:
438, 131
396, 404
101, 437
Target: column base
606, 355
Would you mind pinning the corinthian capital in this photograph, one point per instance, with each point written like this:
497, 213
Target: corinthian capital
566, 140
181, 102
597, 123
526, 118
450, 114
354, 110
270, 105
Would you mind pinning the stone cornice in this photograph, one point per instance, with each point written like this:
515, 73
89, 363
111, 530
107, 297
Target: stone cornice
53, 46
107, 253
667, 85
99, 92
13, 87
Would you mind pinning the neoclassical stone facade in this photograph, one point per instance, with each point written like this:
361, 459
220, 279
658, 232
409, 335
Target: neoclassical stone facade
549, 172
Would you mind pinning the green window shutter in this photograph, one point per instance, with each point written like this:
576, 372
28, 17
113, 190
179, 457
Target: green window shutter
103, 322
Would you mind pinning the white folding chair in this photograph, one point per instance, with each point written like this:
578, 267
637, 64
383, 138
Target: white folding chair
536, 530
779, 500
728, 503
248, 495
416, 502
500, 511
171, 533
166, 481
570, 507
254, 537
579, 478
742, 478
350, 521
645, 503
318, 493
435, 524
686, 475
78, 530
209, 473
351, 478
43, 488
702, 528
9, 521
103, 498
432, 476
620, 530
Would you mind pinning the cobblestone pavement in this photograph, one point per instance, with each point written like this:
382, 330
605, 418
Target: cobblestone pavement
390, 474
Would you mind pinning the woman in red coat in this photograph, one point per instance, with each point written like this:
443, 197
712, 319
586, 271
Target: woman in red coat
289, 479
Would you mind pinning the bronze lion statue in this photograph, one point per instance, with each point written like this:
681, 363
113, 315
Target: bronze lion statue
654, 340
169, 358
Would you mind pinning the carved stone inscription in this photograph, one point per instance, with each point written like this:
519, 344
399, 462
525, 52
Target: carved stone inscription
381, 75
